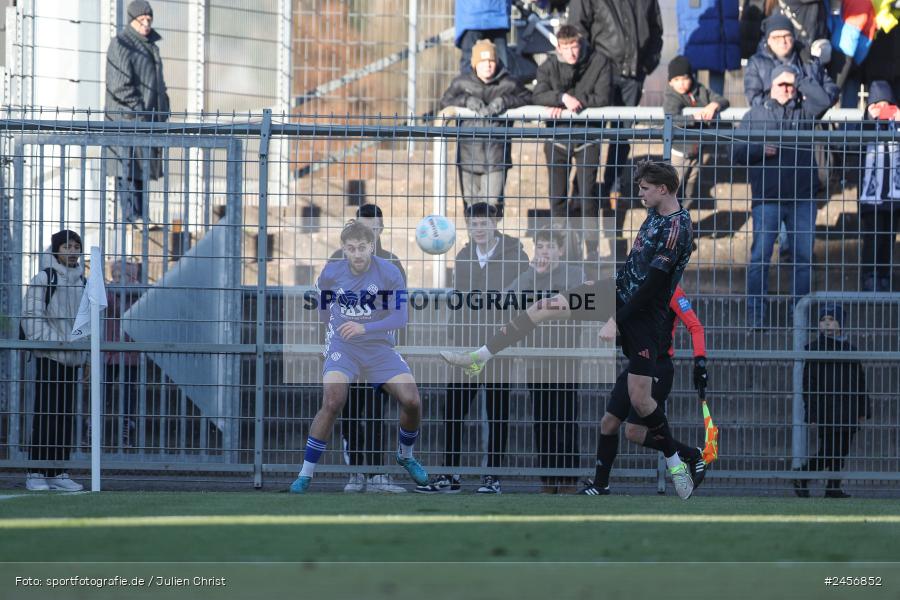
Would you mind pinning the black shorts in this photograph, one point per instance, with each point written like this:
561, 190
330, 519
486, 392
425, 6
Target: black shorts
640, 341
619, 404
586, 300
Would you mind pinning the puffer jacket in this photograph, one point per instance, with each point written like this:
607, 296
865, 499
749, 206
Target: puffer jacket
791, 174
480, 15
709, 34
589, 80
834, 390
53, 322
628, 32
484, 155
135, 91
758, 73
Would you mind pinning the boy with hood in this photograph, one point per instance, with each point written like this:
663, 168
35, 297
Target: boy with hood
879, 190
51, 304
489, 90
834, 392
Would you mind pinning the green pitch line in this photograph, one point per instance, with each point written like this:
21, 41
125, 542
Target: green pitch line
243, 520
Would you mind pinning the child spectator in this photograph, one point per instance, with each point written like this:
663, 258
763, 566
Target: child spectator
489, 90
834, 392
879, 190
685, 92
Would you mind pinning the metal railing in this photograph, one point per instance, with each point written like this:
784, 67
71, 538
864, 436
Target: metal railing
209, 327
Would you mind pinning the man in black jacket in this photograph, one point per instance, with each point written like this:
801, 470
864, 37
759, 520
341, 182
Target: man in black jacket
834, 392
489, 90
576, 78
135, 91
629, 33
485, 266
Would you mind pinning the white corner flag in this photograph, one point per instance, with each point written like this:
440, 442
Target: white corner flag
94, 293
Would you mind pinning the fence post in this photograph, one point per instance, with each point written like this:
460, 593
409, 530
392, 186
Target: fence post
667, 139
798, 412
261, 275
439, 181
411, 64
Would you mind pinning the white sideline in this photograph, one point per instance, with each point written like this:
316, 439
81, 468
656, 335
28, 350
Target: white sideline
219, 520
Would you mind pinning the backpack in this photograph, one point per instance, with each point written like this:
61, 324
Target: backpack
49, 290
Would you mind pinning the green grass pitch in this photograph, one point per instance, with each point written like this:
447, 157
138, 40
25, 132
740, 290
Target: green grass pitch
393, 547
537, 528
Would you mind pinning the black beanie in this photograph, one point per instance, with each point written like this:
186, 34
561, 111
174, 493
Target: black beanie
61, 237
139, 8
777, 22
680, 65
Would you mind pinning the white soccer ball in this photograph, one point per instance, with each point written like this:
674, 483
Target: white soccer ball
435, 234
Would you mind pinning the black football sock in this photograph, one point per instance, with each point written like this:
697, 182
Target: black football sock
685, 451
658, 427
607, 448
511, 333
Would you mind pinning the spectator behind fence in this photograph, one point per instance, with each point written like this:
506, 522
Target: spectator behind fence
709, 36
575, 78
362, 420
122, 368
779, 47
51, 303
834, 392
783, 182
809, 19
630, 34
685, 92
476, 20
488, 90
135, 91
879, 190
489, 262
552, 382
883, 60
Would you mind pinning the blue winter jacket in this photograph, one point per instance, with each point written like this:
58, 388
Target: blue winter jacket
709, 34
480, 15
791, 174
758, 73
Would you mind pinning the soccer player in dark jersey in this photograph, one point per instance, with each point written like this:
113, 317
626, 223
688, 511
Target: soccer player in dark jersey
620, 409
644, 285
363, 300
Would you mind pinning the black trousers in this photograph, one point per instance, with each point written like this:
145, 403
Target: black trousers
555, 413
53, 423
459, 398
878, 226
834, 446
120, 391
362, 425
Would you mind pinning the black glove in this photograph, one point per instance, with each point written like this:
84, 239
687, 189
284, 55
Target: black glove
700, 375
473, 103
493, 109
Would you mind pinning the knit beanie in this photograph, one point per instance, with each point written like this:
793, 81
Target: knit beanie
777, 22
680, 65
483, 50
833, 310
139, 8
784, 68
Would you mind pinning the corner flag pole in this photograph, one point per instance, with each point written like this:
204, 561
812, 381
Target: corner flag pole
87, 323
96, 403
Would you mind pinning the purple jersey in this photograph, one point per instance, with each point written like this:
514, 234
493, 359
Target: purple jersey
376, 298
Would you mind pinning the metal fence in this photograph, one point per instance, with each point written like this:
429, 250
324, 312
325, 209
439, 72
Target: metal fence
210, 368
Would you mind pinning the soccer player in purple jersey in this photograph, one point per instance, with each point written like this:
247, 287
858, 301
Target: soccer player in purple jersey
363, 300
